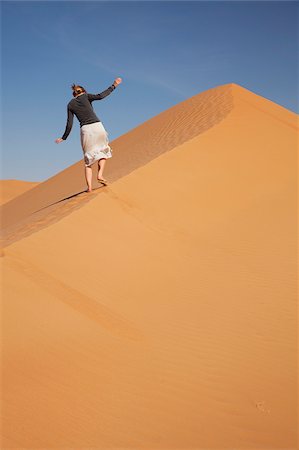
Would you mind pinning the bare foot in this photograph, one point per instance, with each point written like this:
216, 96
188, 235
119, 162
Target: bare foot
88, 190
102, 180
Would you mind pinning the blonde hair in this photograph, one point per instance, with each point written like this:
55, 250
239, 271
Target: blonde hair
77, 89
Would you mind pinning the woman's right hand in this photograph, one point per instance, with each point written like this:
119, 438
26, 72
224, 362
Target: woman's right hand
59, 140
117, 81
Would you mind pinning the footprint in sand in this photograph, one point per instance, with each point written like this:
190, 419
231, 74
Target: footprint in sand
262, 406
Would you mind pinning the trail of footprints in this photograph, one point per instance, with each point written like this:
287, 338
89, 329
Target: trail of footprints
45, 217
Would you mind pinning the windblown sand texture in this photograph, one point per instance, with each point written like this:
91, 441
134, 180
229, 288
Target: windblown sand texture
159, 312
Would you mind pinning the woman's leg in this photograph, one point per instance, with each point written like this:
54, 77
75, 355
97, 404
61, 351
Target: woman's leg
88, 177
101, 165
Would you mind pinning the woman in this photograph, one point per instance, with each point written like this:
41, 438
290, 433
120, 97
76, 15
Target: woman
94, 138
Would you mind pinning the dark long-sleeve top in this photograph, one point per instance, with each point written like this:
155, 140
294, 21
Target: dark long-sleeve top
81, 106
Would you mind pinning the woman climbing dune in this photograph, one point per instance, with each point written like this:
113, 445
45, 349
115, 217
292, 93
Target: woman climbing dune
94, 138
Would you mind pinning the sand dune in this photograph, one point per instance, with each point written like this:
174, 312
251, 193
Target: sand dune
132, 150
65, 191
159, 312
10, 189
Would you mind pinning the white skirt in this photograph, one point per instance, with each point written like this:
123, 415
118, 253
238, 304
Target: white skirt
95, 143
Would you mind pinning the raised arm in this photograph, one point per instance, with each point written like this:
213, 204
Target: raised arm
92, 97
69, 123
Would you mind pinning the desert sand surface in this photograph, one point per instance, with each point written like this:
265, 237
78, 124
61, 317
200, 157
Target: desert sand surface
159, 312
10, 189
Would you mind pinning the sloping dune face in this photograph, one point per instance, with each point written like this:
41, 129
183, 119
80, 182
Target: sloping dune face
161, 314
10, 189
59, 194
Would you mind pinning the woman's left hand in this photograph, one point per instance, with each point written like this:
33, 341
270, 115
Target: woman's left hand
59, 140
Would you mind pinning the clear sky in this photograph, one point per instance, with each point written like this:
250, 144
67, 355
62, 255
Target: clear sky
165, 52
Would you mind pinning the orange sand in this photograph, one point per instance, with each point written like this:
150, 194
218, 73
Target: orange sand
10, 189
159, 312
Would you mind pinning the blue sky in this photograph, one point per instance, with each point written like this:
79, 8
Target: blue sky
165, 52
